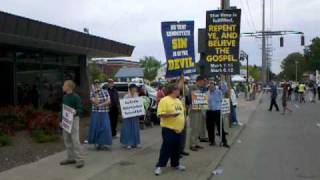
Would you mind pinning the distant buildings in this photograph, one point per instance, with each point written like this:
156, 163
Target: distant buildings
111, 66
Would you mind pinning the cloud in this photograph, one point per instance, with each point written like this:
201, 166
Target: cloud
137, 22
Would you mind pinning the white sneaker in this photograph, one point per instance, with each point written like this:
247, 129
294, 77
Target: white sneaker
157, 171
180, 168
129, 147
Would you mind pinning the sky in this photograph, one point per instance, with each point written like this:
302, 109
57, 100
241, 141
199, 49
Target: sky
138, 22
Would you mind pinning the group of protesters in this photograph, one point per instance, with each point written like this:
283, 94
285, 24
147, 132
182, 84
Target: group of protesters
177, 118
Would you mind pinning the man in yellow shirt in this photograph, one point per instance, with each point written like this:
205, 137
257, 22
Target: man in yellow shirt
171, 113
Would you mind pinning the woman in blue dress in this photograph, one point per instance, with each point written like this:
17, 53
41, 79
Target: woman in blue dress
100, 129
130, 130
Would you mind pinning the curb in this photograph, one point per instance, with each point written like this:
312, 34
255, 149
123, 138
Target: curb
215, 165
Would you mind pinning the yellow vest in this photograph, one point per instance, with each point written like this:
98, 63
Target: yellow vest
301, 87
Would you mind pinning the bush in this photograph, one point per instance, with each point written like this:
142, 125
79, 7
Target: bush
45, 121
12, 119
5, 140
41, 136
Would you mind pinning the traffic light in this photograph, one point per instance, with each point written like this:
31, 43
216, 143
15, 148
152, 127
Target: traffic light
281, 41
302, 40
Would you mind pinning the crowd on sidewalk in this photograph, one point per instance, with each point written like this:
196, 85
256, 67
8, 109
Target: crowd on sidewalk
183, 127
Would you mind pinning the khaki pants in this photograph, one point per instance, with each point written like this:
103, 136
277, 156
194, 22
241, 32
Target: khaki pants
72, 142
196, 119
203, 127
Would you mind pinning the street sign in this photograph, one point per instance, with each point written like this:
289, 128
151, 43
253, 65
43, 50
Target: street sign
222, 42
225, 106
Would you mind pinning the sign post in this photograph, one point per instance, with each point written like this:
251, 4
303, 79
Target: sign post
225, 109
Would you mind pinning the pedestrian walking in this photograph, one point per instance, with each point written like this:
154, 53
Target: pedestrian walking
213, 116
196, 116
285, 92
130, 130
301, 91
171, 112
318, 84
100, 128
273, 96
114, 107
234, 104
71, 140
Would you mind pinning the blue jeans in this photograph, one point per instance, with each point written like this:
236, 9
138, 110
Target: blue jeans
234, 114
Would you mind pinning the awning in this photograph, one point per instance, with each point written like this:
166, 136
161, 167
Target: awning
24, 32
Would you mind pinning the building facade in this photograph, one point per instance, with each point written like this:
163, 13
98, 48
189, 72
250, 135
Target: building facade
36, 57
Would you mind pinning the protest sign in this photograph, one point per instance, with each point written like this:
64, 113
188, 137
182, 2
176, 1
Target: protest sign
199, 100
225, 106
67, 117
222, 42
178, 40
132, 107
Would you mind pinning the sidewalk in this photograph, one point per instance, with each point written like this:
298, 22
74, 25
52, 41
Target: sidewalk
122, 164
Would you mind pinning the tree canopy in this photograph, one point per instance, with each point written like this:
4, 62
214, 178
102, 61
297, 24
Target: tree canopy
308, 61
151, 66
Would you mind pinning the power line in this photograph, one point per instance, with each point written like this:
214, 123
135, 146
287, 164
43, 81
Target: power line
249, 23
250, 15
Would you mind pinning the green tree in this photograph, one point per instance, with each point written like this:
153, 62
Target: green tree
288, 66
254, 71
312, 55
96, 73
151, 66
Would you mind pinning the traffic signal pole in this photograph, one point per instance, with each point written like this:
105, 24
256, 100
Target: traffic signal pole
263, 53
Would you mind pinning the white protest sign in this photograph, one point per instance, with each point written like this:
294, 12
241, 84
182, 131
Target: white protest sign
132, 107
67, 117
225, 106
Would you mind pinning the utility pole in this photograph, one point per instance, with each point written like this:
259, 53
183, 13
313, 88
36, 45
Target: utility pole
263, 53
296, 62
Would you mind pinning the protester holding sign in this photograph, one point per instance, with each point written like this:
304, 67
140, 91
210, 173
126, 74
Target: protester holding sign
171, 112
130, 131
214, 114
100, 129
197, 120
71, 140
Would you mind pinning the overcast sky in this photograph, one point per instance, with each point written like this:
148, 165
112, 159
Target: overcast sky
137, 22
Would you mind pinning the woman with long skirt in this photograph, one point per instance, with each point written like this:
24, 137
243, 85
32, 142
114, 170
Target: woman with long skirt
130, 130
100, 130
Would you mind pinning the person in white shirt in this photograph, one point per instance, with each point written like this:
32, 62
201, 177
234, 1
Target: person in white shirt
234, 104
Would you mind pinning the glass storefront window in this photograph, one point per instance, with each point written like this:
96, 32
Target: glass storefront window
28, 83
71, 60
51, 94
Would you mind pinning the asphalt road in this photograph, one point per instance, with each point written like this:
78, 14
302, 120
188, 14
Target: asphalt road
276, 147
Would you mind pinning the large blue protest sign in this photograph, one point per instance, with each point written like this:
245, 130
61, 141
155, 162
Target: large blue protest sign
178, 40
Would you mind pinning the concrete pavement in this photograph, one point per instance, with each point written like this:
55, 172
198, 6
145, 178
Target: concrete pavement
277, 147
119, 163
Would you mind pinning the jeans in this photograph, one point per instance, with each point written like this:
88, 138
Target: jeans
170, 148
234, 114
